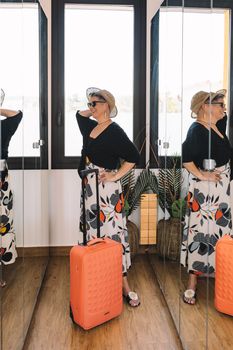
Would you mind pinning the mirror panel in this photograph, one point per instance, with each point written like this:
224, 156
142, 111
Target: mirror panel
12, 210
36, 234
204, 69
169, 23
189, 61
23, 72
169, 119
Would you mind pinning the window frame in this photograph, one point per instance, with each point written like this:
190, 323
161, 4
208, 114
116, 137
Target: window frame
37, 162
59, 161
154, 97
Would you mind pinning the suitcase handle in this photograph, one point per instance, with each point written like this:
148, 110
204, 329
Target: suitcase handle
96, 241
84, 173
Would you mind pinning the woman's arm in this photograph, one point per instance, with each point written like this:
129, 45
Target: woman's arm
202, 175
85, 123
86, 113
222, 124
111, 176
8, 113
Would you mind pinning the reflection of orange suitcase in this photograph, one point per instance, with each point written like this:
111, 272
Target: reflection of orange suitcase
95, 276
224, 275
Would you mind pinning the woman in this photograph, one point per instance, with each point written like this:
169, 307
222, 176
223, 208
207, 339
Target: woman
105, 144
8, 127
208, 215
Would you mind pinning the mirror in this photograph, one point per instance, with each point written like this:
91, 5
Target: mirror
12, 200
189, 61
166, 48
23, 29
36, 234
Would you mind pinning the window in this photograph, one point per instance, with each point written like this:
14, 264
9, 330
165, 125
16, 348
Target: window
101, 49
23, 73
20, 73
107, 64
191, 58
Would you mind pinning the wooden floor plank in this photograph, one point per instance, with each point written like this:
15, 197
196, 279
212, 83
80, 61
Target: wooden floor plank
199, 325
147, 327
18, 299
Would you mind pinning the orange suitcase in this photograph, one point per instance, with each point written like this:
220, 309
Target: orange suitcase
224, 275
95, 276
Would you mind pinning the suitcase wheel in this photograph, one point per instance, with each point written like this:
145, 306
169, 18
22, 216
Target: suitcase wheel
71, 315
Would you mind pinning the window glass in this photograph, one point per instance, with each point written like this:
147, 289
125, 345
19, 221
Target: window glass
19, 72
189, 62
99, 53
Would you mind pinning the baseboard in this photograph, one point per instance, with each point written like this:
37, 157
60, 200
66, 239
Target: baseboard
65, 251
60, 251
32, 251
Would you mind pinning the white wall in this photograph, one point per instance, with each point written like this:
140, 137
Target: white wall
31, 210
65, 188
64, 207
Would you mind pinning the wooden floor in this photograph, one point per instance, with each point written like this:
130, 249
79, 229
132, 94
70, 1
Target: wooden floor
148, 327
200, 326
18, 299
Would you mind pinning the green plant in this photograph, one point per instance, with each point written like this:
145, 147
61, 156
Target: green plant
169, 187
178, 208
133, 188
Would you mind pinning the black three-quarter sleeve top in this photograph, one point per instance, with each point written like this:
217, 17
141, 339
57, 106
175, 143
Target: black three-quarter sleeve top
203, 144
109, 147
8, 127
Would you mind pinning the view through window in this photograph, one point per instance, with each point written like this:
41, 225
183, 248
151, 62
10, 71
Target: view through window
191, 58
99, 53
19, 72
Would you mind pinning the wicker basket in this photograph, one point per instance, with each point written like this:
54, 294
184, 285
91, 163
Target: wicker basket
169, 238
133, 234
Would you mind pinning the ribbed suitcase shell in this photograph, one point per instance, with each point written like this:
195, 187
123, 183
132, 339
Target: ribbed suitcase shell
224, 275
96, 282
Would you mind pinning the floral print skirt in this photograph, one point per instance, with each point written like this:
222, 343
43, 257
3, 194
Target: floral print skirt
112, 214
8, 252
208, 218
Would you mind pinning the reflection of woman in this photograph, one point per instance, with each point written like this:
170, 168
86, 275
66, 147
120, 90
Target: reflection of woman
208, 215
8, 127
104, 144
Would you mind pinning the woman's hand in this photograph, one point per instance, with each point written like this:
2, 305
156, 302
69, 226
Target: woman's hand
202, 175
106, 176
211, 176
113, 176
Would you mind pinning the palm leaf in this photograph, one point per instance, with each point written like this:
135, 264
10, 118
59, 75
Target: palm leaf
128, 183
134, 198
170, 180
145, 181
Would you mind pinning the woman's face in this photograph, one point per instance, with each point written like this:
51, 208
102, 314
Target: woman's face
98, 107
216, 109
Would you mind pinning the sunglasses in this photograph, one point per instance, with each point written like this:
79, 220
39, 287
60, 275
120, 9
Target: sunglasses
221, 104
93, 104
